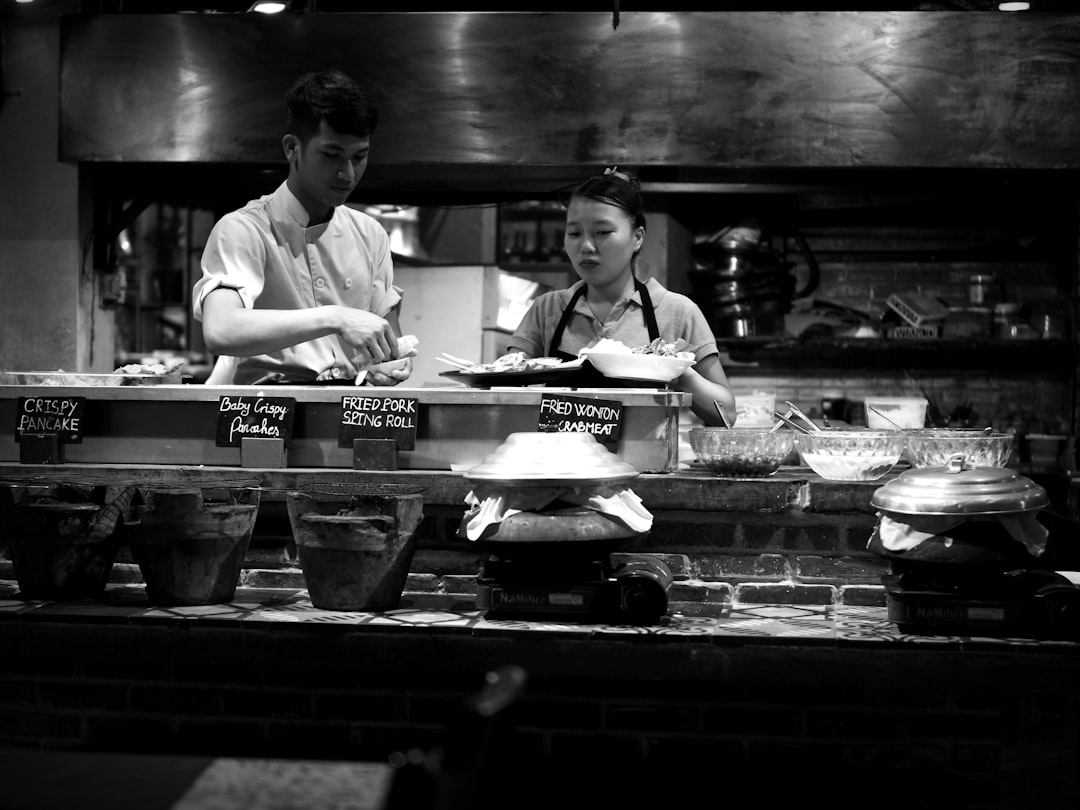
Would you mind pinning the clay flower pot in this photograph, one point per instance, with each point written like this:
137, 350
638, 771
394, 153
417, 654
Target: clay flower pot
189, 547
355, 549
61, 550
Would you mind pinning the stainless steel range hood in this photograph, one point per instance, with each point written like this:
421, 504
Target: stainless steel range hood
472, 101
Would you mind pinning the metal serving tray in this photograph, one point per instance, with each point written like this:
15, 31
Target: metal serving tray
457, 427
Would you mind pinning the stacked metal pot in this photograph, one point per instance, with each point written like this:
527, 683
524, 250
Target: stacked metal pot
743, 286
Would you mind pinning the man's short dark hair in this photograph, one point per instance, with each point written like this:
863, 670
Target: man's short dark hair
332, 96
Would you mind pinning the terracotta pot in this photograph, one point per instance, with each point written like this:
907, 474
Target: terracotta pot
191, 549
60, 550
355, 549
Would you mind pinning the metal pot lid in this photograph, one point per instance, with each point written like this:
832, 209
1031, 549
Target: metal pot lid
959, 489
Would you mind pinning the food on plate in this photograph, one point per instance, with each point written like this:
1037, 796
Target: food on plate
664, 348
514, 361
162, 369
406, 348
673, 348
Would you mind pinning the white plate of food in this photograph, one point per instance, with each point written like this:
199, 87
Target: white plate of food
658, 362
514, 369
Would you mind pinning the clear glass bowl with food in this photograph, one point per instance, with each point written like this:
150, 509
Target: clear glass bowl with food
850, 454
747, 452
933, 447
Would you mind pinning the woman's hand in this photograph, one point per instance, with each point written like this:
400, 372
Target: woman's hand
707, 384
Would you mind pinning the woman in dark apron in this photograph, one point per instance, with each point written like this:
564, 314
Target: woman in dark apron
605, 230
587, 376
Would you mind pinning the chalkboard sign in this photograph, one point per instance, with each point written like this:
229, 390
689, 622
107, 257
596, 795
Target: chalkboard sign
364, 417
568, 414
61, 416
254, 417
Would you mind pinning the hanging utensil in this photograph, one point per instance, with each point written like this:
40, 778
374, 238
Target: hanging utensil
810, 422
883, 416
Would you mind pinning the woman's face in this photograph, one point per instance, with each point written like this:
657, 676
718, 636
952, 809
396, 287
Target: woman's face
600, 240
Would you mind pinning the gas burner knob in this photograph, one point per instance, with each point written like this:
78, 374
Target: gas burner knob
1059, 608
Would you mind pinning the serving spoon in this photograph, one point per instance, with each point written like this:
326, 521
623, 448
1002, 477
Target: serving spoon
789, 423
723, 416
810, 422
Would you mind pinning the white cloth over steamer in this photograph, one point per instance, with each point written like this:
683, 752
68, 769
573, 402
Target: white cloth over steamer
491, 505
897, 535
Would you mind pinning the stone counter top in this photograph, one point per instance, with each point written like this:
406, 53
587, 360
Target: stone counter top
715, 626
789, 488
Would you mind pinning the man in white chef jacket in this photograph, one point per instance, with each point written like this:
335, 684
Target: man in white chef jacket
297, 287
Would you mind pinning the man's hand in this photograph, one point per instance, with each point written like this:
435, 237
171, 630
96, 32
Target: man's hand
371, 338
391, 372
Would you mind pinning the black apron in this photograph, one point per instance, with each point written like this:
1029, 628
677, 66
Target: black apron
587, 376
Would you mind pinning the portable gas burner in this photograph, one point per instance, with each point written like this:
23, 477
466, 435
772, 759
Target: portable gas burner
629, 588
1023, 603
973, 552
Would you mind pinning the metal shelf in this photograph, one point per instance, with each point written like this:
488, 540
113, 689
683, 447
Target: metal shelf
793, 356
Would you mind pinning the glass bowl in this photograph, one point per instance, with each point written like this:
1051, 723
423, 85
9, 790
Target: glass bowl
747, 452
855, 454
932, 447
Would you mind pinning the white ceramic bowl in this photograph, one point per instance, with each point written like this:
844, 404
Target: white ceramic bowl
652, 367
855, 454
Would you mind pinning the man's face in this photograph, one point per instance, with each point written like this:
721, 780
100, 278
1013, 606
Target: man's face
327, 168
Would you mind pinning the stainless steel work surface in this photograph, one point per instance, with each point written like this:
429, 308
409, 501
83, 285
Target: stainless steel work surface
457, 427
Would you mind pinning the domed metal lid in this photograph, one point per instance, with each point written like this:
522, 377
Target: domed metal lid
959, 489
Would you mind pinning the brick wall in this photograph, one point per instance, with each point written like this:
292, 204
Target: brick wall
884, 726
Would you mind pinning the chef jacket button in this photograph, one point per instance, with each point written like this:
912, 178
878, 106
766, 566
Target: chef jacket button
320, 283
348, 283
335, 372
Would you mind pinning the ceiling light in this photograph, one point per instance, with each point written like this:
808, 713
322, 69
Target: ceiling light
1014, 6
265, 7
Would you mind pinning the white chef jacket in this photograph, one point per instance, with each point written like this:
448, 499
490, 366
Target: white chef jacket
268, 254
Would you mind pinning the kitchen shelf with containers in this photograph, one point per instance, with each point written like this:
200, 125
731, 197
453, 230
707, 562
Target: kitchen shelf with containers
916, 331
752, 355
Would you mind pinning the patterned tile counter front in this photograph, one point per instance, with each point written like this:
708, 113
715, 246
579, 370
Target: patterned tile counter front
834, 698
